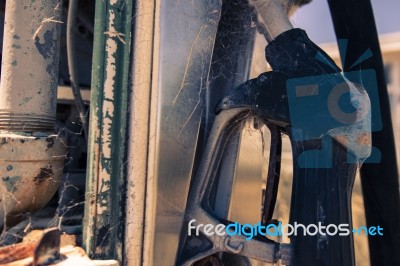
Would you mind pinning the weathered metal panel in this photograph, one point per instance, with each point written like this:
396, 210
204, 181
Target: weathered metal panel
184, 40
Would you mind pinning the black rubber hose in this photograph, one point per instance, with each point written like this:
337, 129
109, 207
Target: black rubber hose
73, 76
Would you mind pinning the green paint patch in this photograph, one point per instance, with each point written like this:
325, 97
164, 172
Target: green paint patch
10, 182
15, 36
25, 100
14, 63
16, 46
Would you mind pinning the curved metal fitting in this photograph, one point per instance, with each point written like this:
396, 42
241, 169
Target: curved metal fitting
30, 172
198, 208
325, 115
307, 92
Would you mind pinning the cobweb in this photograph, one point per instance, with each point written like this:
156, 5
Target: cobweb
237, 41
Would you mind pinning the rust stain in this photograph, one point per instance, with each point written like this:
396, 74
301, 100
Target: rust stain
45, 174
50, 142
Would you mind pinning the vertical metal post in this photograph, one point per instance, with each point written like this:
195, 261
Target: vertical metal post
354, 21
105, 193
139, 110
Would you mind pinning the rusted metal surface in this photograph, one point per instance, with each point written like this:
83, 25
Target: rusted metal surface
41, 248
30, 65
48, 247
31, 168
16, 252
104, 204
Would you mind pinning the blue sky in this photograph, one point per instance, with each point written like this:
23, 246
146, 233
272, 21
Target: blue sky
316, 19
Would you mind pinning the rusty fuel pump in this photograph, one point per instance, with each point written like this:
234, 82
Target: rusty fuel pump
160, 151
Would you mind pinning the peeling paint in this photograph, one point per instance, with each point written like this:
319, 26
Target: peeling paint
30, 38
108, 122
27, 171
46, 48
10, 182
45, 174
50, 142
108, 116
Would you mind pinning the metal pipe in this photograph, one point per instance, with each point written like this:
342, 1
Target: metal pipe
72, 67
30, 65
273, 17
31, 156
